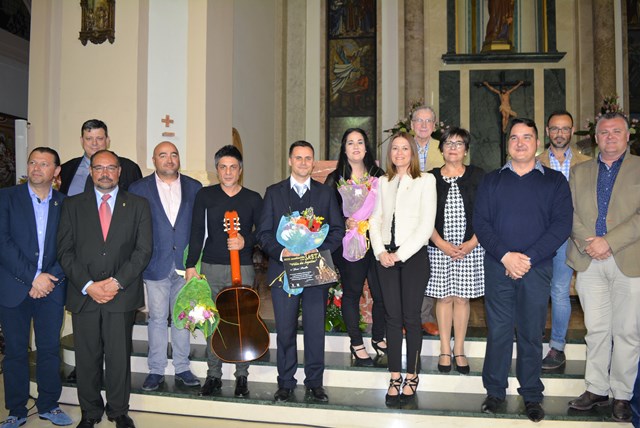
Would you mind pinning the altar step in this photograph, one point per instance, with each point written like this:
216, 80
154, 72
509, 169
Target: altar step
356, 393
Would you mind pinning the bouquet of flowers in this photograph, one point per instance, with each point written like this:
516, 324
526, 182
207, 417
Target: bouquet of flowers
358, 201
194, 308
334, 320
299, 233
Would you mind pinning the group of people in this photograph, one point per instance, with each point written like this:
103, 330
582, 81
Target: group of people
441, 232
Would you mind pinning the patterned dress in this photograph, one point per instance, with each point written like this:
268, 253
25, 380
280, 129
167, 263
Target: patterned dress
461, 278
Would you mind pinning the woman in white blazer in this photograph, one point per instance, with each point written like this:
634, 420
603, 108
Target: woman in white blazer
400, 227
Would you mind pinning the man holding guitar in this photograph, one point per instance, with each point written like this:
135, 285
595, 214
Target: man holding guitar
210, 205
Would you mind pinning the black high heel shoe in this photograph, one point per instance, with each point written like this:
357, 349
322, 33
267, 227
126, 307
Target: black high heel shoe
412, 383
379, 350
393, 400
361, 362
462, 369
441, 367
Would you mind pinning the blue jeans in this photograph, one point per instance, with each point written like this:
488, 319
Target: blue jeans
560, 303
161, 296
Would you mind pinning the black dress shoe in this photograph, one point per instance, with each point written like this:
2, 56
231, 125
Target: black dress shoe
316, 394
534, 411
123, 421
88, 422
212, 385
588, 400
491, 404
283, 394
444, 368
241, 387
621, 410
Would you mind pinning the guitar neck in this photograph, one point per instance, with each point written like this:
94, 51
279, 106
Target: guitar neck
236, 275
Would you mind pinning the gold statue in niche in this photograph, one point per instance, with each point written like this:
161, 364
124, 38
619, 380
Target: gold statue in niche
499, 34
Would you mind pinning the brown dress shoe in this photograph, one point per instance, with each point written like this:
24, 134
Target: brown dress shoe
621, 410
430, 328
588, 400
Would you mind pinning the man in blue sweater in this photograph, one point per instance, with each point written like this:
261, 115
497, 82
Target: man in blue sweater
523, 214
171, 196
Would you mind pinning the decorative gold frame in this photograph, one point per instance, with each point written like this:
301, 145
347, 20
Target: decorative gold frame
98, 21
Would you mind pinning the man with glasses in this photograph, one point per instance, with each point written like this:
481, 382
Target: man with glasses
604, 250
104, 244
423, 123
74, 174
560, 156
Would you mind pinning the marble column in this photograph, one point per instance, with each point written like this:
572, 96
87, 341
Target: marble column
413, 50
604, 66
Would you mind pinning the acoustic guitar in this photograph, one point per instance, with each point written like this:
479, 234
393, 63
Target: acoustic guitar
241, 335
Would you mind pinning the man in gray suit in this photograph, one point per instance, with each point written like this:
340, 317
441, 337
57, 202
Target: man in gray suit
605, 251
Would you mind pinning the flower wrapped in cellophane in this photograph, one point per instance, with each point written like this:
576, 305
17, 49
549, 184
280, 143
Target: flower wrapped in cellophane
358, 201
299, 233
194, 308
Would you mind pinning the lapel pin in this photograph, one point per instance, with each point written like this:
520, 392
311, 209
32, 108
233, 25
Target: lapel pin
124, 204
55, 203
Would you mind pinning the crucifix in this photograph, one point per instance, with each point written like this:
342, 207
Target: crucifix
167, 121
503, 89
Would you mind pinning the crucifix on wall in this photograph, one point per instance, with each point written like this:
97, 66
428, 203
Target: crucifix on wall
504, 89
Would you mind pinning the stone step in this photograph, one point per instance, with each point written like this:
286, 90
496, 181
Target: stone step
340, 372
352, 406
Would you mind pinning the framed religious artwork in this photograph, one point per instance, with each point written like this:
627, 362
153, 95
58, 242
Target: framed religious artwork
98, 21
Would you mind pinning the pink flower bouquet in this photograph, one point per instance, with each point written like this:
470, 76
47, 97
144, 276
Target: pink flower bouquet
358, 201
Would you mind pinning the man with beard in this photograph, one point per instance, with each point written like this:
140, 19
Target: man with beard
104, 244
171, 196
560, 156
209, 208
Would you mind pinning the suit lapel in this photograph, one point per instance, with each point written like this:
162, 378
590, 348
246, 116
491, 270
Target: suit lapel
26, 207
155, 198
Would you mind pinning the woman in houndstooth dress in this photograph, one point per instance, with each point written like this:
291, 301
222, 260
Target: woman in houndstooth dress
457, 272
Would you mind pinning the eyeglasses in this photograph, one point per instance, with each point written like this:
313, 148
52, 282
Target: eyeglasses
108, 168
555, 130
421, 121
453, 144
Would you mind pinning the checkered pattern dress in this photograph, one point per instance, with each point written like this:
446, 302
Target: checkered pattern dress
460, 278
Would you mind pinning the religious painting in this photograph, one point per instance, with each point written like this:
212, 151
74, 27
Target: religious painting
338, 125
7, 150
352, 18
351, 67
98, 21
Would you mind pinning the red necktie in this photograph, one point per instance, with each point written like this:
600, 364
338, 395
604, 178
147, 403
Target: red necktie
105, 215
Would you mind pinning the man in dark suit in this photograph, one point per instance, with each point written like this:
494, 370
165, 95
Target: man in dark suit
74, 175
32, 287
171, 196
104, 245
297, 193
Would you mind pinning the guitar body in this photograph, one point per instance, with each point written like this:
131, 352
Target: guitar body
241, 335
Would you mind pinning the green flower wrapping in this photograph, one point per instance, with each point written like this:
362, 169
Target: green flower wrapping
195, 309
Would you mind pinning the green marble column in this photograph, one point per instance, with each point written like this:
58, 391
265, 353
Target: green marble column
604, 65
413, 50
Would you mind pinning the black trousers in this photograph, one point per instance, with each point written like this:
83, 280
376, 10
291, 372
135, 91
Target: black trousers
402, 287
101, 337
353, 275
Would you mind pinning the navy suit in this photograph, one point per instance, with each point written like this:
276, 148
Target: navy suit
279, 199
18, 267
169, 241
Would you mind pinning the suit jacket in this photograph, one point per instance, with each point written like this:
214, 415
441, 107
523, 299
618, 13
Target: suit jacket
576, 158
276, 203
129, 174
19, 243
169, 241
85, 256
623, 216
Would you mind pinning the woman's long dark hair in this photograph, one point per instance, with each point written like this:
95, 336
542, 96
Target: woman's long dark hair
343, 167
